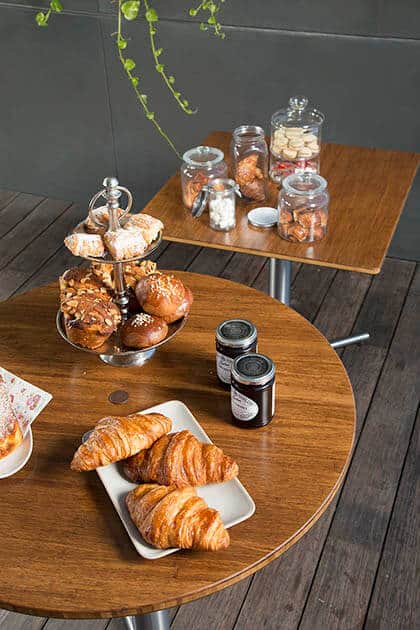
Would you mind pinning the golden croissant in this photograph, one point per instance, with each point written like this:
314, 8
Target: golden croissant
118, 437
179, 459
167, 516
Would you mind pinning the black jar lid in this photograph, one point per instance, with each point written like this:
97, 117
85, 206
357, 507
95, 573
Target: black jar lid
253, 369
236, 333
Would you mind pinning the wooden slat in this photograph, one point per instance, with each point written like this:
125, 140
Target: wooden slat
292, 574
16, 621
343, 583
28, 230
211, 261
368, 188
39, 250
6, 197
217, 612
243, 268
261, 282
395, 601
15, 211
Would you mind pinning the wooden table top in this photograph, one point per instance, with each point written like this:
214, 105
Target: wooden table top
64, 551
368, 189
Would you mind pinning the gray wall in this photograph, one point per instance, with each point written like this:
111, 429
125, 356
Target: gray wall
68, 115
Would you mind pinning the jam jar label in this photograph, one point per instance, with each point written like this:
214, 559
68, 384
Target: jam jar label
243, 408
224, 367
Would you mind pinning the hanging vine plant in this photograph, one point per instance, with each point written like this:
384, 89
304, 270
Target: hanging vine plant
130, 10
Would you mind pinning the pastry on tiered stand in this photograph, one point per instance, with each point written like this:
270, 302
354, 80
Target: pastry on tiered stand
99, 310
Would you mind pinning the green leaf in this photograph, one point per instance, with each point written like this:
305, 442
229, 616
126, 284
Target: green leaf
203, 27
135, 81
185, 102
211, 20
144, 97
41, 19
159, 52
171, 79
193, 12
151, 15
150, 115
129, 64
160, 67
56, 6
130, 9
121, 43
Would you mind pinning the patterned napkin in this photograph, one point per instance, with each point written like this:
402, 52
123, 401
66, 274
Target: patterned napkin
28, 400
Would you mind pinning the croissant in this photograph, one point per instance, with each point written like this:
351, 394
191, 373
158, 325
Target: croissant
179, 459
118, 437
167, 516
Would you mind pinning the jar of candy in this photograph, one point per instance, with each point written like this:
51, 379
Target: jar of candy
200, 165
222, 204
303, 208
295, 139
250, 162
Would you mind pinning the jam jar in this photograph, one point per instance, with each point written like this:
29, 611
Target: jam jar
295, 139
234, 337
303, 208
200, 165
252, 391
250, 162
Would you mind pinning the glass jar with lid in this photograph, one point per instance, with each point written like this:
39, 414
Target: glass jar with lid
303, 208
295, 139
222, 204
200, 165
250, 162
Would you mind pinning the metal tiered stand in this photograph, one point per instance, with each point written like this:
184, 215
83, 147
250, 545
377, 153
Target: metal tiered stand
113, 350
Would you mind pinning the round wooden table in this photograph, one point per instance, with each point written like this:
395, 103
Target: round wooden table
64, 551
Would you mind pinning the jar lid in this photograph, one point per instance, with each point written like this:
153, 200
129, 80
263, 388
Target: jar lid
253, 369
297, 114
236, 333
304, 184
263, 217
203, 156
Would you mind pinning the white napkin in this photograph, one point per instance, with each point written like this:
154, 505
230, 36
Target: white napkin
27, 400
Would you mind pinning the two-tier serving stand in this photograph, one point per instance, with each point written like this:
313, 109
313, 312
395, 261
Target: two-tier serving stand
113, 350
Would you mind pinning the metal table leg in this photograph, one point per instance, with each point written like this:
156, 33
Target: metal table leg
279, 281
347, 341
158, 620
279, 288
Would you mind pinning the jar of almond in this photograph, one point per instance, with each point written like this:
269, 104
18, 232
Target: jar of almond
295, 139
303, 208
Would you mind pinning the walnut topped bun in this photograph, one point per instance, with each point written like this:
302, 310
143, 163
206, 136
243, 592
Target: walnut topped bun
89, 321
81, 281
143, 330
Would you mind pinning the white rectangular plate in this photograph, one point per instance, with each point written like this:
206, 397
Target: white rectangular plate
229, 498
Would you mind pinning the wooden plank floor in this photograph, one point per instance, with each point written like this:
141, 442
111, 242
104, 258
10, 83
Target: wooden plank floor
357, 567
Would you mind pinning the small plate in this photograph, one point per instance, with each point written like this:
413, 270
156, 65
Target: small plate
229, 498
10, 464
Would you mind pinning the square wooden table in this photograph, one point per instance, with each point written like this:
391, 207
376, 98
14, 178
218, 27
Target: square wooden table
368, 189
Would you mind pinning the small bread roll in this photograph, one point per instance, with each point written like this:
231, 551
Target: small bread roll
143, 330
183, 309
160, 294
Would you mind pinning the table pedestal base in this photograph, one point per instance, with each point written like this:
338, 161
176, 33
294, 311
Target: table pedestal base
279, 288
158, 620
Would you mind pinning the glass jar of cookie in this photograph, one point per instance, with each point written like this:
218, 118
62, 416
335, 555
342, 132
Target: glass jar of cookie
303, 208
200, 165
250, 162
295, 139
